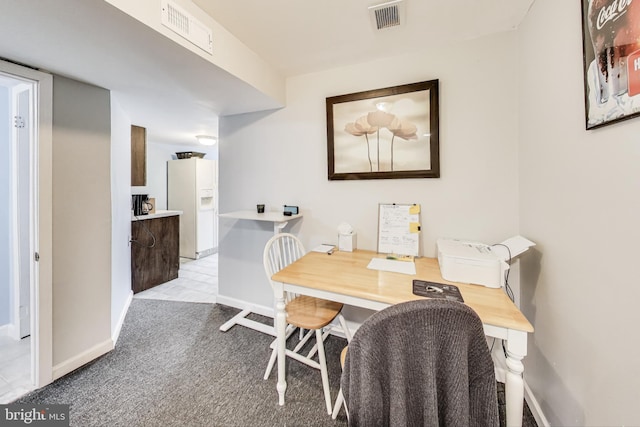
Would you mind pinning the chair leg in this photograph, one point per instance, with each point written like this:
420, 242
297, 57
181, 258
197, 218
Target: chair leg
303, 341
338, 405
345, 329
323, 370
272, 361
314, 349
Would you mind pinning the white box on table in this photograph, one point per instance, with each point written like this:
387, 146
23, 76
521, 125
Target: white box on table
347, 242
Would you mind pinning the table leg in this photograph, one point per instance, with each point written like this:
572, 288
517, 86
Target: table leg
241, 319
281, 326
514, 384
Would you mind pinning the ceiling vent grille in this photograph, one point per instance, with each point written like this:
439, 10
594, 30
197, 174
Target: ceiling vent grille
178, 20
387, 15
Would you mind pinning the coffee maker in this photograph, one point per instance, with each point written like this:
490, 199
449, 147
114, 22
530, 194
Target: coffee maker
140, 204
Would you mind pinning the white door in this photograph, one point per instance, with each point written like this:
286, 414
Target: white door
22, 124
39, 206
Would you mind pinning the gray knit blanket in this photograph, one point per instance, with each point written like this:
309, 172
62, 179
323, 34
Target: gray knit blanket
420, 363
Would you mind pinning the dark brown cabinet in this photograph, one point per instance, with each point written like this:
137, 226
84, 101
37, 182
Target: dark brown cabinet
138, 156
155, 245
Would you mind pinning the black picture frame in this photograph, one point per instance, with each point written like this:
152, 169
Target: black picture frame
611, 64
403, 122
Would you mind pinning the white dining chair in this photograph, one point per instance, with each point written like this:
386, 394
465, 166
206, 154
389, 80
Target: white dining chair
307, 313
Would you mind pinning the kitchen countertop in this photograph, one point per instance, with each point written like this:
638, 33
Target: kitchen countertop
157, 214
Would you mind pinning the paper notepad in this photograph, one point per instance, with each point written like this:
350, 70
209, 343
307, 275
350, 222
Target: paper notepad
392, 265
325, 249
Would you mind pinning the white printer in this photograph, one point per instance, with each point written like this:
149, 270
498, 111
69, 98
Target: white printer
478, 263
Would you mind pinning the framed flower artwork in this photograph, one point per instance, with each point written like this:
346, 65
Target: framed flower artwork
384, 133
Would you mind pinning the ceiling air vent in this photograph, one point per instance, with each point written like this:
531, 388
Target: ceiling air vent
178, 20
387, 15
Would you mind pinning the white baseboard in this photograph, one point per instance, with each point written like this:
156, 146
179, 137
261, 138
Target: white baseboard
337, 328
115, 334
10, 330
243, 305
535, 408
81, 359
5, 330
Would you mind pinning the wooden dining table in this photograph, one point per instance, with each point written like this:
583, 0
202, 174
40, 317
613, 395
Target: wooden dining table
345, 277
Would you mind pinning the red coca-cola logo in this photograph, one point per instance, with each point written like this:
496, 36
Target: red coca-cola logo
612, 12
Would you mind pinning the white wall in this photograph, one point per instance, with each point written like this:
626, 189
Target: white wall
81, 224
121, 292
580, 202
5, 202
280, 157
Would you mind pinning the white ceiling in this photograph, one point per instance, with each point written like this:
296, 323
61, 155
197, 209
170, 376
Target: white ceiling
304, 36
176, 94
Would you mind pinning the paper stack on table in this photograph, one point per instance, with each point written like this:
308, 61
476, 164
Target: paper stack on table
395, 266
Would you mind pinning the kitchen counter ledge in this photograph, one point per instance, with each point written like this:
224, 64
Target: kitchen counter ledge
157, 214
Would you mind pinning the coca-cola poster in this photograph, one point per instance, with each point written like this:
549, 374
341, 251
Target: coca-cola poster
611, 51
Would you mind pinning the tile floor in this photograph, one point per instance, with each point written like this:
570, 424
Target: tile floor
197, 282
15, 369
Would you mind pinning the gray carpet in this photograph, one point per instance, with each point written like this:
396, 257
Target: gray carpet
173, 367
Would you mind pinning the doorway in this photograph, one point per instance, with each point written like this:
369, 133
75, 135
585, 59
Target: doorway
16, 368
25, 230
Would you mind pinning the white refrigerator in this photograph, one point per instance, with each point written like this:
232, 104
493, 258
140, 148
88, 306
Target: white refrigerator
191, 188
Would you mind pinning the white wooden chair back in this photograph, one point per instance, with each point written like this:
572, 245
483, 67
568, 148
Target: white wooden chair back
280, 251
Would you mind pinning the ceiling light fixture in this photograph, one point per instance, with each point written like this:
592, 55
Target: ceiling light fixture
206, 139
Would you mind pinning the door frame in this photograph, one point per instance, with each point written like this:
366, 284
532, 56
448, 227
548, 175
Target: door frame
40, 218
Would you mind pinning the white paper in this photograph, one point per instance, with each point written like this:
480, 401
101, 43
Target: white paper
404, 267
325, 249
516, 245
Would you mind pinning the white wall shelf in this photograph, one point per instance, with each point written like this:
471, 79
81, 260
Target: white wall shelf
278, 219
